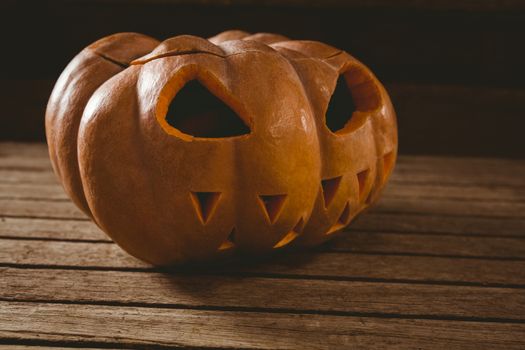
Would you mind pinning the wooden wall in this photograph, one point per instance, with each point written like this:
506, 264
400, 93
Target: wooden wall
455, 69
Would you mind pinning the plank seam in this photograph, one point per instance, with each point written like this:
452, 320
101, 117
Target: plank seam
183, 272
456, 184
102, 345
376, 211
44, 217
424, 198
449, 215
35, 199
470, 234
319, 250
270, 310
51, 239
430, 255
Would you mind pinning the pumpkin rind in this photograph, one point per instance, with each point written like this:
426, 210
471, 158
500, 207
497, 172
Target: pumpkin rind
169, 197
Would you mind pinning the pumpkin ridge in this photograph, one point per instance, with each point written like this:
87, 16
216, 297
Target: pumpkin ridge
140, 61
109, 59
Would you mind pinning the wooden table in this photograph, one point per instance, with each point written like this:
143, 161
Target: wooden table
440, 262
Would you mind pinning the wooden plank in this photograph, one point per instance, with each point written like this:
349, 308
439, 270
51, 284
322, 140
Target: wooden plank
219, 329
291, 295
51, 253
461, 163
414, 223
460, 171
40, 209
451, 207
43, 347
32, 191
455, 178
431, 245
51, 229
23, 149
398, 268
369, 222
354, 241
25, 162
82, 255
466, 192
18, 175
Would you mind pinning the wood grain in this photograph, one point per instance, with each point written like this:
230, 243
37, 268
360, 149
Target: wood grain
29, 176
230, 292
40, 347
353, 241
431, 245
451, 207
450, 225
40, 209
196, 328
44, 191
319, 265
371, 222
51, 229
461, 193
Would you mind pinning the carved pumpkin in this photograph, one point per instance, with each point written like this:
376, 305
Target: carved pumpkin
192, 149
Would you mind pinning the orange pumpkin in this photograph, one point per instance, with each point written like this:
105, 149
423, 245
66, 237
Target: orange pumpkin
192, 149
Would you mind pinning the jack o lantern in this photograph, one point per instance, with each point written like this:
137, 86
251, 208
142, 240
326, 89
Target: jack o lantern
191, 149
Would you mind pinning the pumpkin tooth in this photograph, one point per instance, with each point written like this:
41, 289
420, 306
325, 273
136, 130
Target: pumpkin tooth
299, 226
205, 204
368, 199
330, 187
290, 236
229, 242
345, 215
336, 227
343, 220
273, 205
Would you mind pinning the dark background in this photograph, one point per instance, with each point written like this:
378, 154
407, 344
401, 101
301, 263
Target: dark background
455, 69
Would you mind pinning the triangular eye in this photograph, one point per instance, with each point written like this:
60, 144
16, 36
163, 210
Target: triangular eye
341, 106
197, 112
205, 203
273, 204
